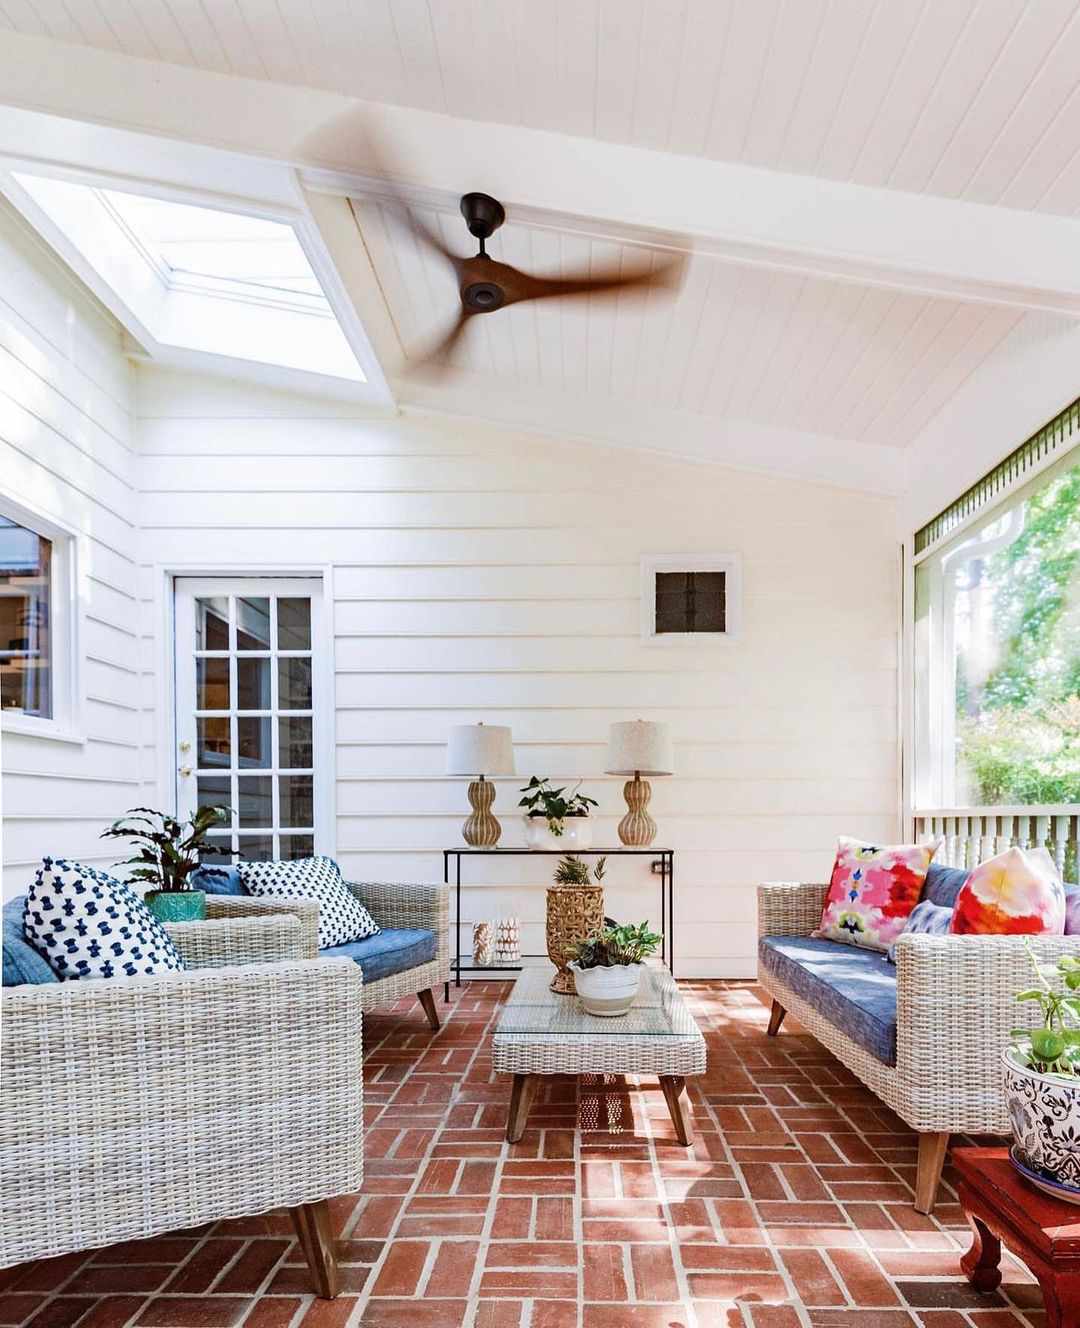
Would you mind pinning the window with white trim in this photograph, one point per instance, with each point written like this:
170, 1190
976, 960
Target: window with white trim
26, 609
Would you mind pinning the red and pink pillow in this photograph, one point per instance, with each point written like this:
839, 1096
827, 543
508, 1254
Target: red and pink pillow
872, 892
1018, 893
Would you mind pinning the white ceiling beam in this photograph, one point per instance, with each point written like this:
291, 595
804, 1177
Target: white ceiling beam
931, 245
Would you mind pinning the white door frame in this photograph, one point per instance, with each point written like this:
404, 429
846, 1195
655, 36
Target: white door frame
163, 597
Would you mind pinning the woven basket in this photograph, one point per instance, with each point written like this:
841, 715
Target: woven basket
573, 913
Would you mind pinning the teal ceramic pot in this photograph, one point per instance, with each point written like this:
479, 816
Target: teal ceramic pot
176, 905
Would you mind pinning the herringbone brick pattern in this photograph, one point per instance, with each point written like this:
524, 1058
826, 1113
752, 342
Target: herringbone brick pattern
793, 1209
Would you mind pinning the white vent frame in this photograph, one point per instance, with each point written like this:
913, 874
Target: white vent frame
728, 563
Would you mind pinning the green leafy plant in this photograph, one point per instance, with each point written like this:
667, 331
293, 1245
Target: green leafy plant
1055, 1047
167, 850
542, 800
614, 946
572, 871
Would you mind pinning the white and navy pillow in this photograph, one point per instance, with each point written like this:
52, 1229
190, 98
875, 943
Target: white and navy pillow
90, 925
342, 917
928, 918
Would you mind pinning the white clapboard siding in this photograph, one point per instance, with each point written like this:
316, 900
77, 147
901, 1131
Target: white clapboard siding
66, 451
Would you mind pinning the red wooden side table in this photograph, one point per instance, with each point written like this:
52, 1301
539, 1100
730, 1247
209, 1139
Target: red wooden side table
1044, 1232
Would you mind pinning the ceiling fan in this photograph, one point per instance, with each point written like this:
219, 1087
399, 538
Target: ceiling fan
485, 285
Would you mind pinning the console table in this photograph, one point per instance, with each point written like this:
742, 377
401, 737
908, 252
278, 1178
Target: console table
663, 864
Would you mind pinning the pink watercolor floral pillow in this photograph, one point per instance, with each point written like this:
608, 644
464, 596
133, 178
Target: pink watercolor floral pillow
1018, 893
872, 892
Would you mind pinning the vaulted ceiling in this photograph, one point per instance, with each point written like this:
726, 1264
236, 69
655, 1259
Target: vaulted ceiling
871, 195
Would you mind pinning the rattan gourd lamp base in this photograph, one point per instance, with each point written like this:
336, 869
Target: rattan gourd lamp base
481, 829
637, 829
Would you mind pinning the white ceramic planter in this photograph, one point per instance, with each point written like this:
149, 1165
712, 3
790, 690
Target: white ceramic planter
576, 833
607, 991
1044, 1110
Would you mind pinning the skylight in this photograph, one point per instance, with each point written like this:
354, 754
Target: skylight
200, 279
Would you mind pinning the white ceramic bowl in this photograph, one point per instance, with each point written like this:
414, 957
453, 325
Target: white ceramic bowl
607, 991
577, 833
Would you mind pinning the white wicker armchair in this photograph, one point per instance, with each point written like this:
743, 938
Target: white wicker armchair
955, 1008
133, 1107
391, 904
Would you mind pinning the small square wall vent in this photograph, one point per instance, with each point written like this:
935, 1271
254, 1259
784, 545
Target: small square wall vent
689, 597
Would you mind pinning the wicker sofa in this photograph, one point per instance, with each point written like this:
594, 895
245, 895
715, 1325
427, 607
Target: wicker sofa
136, 1106
411, 956
925, 1035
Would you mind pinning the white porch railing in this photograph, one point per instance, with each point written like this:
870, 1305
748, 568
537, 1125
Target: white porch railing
970, 835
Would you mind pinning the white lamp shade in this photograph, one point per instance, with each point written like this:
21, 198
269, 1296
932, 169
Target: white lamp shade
639, 746
479, 749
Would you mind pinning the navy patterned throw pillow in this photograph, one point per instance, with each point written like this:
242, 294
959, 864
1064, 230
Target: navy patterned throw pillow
342, 917
90, 925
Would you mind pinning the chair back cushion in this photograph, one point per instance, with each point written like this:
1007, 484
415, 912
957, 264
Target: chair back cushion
928, 918
342, 917
22, 963
230, 882
872, 892
943, 884
90, 925
1016, 893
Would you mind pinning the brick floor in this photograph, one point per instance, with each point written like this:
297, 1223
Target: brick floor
793, 1209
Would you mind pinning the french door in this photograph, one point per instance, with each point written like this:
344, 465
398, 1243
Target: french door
250, 713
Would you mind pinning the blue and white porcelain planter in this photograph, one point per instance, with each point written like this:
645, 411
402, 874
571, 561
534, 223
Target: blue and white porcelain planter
1044, 1110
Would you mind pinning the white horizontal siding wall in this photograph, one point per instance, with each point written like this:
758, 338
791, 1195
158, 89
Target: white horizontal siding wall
66, 453
484, 575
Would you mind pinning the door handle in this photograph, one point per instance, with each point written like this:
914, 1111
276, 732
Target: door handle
185, 771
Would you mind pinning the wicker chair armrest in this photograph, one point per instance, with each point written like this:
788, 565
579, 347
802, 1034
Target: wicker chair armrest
955, 1003
233, 942
251, 906
405, 905
790, 908
143, 1105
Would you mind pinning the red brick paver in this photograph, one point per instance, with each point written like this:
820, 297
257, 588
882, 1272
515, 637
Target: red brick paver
792, 1210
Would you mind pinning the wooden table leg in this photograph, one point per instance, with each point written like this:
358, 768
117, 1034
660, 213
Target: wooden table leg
980, 1264
312, 1224
678, 1102
521, 1096
1061, 1299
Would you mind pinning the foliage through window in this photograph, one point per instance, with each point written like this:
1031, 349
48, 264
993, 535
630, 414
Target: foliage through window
26, 665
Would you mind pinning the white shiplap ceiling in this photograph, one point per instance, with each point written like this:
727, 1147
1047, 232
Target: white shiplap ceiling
974, 99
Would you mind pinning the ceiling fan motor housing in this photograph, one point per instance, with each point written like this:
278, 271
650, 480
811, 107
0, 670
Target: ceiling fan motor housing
483, 214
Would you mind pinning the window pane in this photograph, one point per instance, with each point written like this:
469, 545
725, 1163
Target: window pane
297, 800
213, 745
212, 684
294, 743
212, 624
253, 684
214, 791
294, 684
25, 637
297, 846
691, 601
254, 742
256, 848
255, 800
253, 624
294, 624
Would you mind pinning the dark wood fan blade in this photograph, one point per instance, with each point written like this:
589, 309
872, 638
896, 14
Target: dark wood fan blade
435, 360
419, 227
665, 275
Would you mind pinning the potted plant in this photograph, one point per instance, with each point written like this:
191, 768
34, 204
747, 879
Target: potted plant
167, 854
1042, 1082
575, 909
554, 819
607, 966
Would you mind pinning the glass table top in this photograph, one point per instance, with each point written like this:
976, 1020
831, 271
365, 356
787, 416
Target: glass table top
658, 1011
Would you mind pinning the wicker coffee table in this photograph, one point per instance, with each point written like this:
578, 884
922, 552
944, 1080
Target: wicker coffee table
542, 1033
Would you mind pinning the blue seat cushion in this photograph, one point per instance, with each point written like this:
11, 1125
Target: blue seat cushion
390, 951
942, 885
22, 963
853, 988
230, 883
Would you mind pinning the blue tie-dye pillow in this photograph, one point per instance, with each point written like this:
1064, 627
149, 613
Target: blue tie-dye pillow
926, 917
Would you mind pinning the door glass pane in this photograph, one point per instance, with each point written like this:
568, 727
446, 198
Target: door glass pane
253, 740
213, 746
297, 800
214, 791
25, 638
294, 684
252, 684
297, 846
256, 848
253, 624
216, 849
294, 743
212, 623
255, 800
294, 624
211, 684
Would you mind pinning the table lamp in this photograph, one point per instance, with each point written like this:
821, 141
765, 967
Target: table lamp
480, 749
638, 747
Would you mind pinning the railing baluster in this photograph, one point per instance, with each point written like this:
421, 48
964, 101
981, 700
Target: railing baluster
1061, 842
